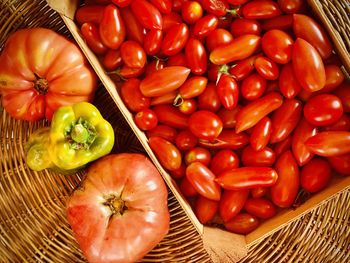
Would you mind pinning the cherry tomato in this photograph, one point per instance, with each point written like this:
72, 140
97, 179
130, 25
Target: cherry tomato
329, 143
253, 112
282, 22
146, 119
134, 30
147, 14
341, 163
277, 45
198, 154
177, 60
253, 87
231, 203
121, 3
218, 37
91, 35
89, 14
167, 153
164, 99
308, 66
175, 39
303, 131
202, 179
153, 42
215, 7
308, 29
261, 9
264, 157
315, 175
185, 140
127, 72
261, 133
153, 66
191, 12
288, 83
205, 25
133, 98
243, 224
259, 192
187, 189
284, 192
196, 56
209, 99
240, 48
323, 110
243, 26
291, 6
205, 209
285, 119
164, 81
260, 207
343, 93
112, 28
171, 116
164, 131
170, 20
343, 124
112, 60
227, 90
188, 106
193, 87
179, 173
133, 54
228, 117
243, 68
334, 77
247, 178
266, 68
164, 6
205, 125
228, 139
223, 160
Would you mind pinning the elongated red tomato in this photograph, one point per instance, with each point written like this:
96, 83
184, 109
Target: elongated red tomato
170, 20
92, 37
209, 99
193, 87
179, 173
169, 115
224, 160
187, 189
243, 68
218, 37
228, 139
243, 26
185, 140
282, 22
198, 154
134, 30
253, 112
260, 207
196, 56
127, 72
228, 117
231, 203
112, 60
285, 119
266, 68
153, 42
303, 131
164, 6
340, 163
277, 45
122, 3
205, 125
242, 223
133, 54
112, 28
308, 29
202, 179
284, 192
163, 81
334, 77
291, 6
177, 60
329, 143
205, 25
228, 92
164, 99
89, 14
259, 192
308, 66
147, 14
167, 153
175, 39
205, 209
288, 83
164, 131
343, 124
247, 178
261, 9
343, 93
264, 157
282, 146
261, 133
315, 175
215, 7
240, 48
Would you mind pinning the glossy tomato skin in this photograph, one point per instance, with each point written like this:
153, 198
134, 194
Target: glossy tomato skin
164, 131
171, 116
228, 91
329, 143
170, 20
285, 191
187, 189
303, 131
283, 146
112, 60
164, 6
153, 42
188, 106
228, 117
147, 14
89, 14
193, 87
215, 7
340, 163
177, 60
252, 113
228, 139
89, 209
334, 77
308, 29
202, 179
231, 203
205, 209
167, 153
259, 192
175, 39
204, 26
261, 9
196, 56
133, 54
112, 28
252, 158
261, 134
179, 173
92, 37
343, 93
288, 83
260, 207
343, 124
242, 223
218, 37
122, 3
323, 110
315, 175
266, 68
282, 22
154, 65
132, 96
198, 154
167, 98
224, 160
308, 66
253, 87
243, 26
243, 68
291, 6
134, 30
185, 140
240, 48
247, 178
285, 119
277, 45
205, 125
191, 11
209, 99
146, 119
127, 72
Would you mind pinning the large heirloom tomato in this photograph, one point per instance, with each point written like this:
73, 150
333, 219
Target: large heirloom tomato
40, 71
120, 212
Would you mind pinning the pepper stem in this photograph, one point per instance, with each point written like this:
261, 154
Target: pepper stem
79, 133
